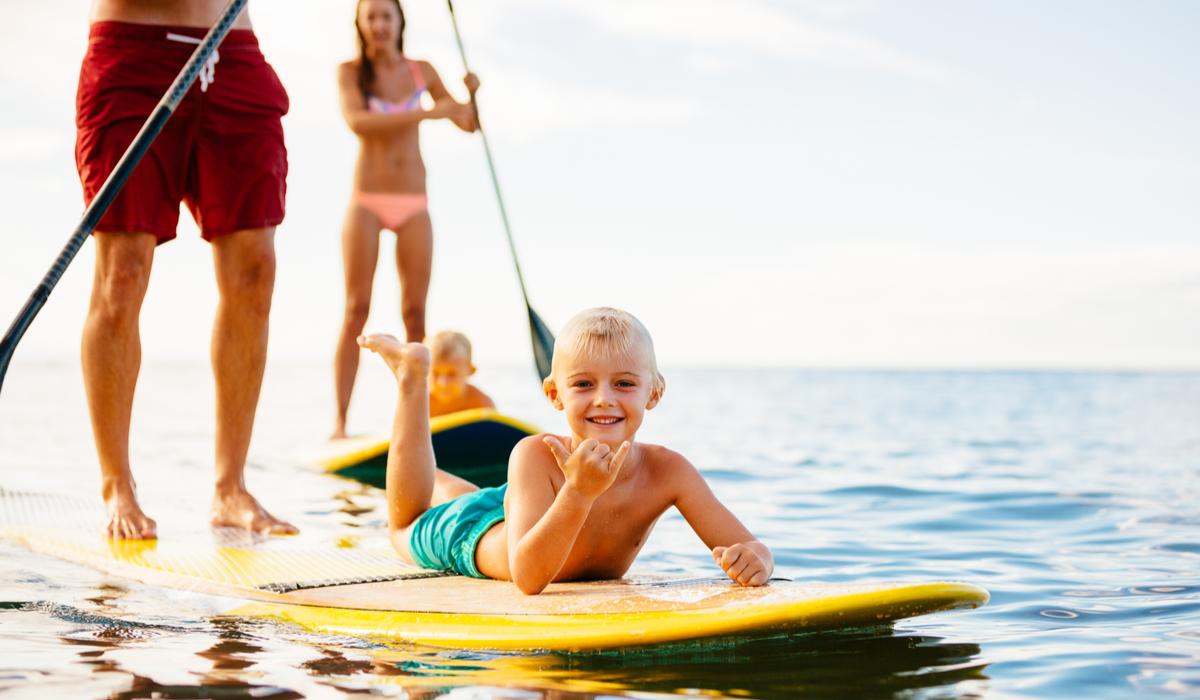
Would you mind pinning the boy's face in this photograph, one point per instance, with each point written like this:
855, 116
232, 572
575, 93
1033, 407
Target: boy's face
448, 378
604, 400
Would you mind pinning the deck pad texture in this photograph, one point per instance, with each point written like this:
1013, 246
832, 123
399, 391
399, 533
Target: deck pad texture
362, 587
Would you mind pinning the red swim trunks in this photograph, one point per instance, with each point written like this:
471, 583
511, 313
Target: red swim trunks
222, 151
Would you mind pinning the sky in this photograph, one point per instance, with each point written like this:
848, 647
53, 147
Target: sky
764, 183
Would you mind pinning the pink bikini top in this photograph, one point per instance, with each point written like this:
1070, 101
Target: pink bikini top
412, 104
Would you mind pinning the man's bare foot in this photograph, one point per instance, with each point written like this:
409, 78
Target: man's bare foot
239, 509
339, 433
408, 361
126, 521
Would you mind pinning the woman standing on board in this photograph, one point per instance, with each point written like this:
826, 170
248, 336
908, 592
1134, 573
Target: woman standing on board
381, 101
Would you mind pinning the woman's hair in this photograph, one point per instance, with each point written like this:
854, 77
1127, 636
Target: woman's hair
366, 69
606, 333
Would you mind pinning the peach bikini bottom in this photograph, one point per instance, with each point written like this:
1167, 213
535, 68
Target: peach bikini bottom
393, 210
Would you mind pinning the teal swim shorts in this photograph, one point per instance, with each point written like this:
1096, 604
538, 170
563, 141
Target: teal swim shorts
446, 536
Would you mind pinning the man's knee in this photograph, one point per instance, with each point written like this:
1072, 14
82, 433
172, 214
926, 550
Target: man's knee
257, 274
246, 270
120, 284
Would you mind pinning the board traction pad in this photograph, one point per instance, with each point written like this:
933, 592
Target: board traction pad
68, 523
358, 585
22, 513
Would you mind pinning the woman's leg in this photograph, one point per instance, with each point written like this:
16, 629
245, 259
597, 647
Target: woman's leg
414, 261
360, 254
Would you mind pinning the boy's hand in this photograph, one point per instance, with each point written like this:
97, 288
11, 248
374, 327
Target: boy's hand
592, 468
742, 564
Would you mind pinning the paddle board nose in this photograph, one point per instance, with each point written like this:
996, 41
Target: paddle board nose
473, 444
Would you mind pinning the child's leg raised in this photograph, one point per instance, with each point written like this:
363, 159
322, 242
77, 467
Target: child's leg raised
411, 472
414, 483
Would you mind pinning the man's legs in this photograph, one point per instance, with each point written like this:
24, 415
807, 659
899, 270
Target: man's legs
245, 270
111, 354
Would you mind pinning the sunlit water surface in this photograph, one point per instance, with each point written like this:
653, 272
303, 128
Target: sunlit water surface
1071, 497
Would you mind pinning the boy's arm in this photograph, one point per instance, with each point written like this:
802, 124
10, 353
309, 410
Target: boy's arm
743, 558
542, 525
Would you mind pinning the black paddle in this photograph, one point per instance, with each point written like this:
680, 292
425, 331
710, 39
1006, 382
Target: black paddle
543, 339
116, 180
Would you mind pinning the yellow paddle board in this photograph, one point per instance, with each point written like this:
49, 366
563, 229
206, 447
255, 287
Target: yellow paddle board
473, 444
363, 588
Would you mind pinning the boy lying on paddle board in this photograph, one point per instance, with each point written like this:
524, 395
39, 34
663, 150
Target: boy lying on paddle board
450, 390
575, 507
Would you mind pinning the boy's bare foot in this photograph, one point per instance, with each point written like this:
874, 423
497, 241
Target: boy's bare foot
408, 361
238, 508
126, 521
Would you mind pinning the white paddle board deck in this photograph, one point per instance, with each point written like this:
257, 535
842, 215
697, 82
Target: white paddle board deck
368, 590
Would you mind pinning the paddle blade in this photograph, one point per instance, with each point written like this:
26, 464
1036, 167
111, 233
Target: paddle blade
543, 343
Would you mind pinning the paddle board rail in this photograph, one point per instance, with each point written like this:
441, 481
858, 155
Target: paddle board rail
361, 587
339, 454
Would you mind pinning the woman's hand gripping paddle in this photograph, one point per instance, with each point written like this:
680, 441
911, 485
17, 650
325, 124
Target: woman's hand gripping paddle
116, 180
543, 339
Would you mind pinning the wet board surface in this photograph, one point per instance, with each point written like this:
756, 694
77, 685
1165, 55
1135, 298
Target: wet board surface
473, 444
365, 589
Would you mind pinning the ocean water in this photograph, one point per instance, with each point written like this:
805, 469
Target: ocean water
1071, 497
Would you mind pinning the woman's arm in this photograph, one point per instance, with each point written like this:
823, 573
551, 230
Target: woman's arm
441, 96
543, 525
743, 558
366, 123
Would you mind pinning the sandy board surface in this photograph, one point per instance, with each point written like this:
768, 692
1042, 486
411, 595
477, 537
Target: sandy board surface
367, 590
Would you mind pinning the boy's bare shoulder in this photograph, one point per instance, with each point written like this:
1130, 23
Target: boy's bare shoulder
478, 399
664, 458
532, 450
673, 475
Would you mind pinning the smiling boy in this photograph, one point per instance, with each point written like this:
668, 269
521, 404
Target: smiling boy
450, 390
575, 507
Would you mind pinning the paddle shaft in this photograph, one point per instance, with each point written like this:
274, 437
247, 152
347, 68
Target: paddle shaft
116, 180
488, 152
543, 340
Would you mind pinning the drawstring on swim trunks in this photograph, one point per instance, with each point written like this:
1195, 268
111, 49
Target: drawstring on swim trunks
208, 74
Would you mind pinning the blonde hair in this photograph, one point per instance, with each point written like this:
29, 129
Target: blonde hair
450, 344
605, 333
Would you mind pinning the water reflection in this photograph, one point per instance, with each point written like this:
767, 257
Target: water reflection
215, 685
238, 658
874, 663
146, 688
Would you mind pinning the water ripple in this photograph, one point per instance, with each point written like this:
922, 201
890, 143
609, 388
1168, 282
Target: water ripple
1070, 496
